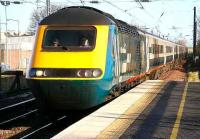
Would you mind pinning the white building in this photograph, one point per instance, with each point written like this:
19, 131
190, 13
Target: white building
17, 52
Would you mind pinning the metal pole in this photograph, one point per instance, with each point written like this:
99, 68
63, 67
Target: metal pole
6, 43
48, 6
0, 79
194, 36
18, 26
0, 30
1, 55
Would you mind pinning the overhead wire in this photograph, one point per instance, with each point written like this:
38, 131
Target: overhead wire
140, 4
125, 11
33, 3
114, 5
72, 2
116, 1
82, 2
159, 19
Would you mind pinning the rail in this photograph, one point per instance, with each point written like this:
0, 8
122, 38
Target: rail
17, 117
17, 104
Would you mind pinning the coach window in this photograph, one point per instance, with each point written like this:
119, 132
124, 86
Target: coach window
168, 49
161, 49
151, 49
69, 39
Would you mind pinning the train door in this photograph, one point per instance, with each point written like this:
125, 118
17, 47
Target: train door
116, 56
143, 54
156, 52
148, 45
164, 54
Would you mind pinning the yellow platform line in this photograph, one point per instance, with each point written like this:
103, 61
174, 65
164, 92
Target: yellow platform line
193, 76
179, 114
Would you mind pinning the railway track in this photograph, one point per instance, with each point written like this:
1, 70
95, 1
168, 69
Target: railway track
45, 127
15, 111
22, 120
41, 126
17, 117
17, 104
32, 124
38, 131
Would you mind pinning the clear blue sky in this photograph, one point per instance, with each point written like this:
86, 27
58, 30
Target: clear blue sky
170, 17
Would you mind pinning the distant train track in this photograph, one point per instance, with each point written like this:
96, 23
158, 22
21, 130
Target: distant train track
43, 127
15, 111
39, 125
17, 104
17, 117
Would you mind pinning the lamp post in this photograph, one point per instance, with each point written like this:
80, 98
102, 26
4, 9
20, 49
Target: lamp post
1, 56
5, 4
6, 39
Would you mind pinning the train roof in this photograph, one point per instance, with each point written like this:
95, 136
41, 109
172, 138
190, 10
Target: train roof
78, 15
83, 15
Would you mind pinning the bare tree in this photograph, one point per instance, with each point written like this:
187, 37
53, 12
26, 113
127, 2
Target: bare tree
37, 15
182, 42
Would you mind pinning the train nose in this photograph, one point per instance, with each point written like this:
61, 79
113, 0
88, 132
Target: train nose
72, 95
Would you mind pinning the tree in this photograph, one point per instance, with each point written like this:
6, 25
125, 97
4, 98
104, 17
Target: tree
37, 15
198, 47
181, 41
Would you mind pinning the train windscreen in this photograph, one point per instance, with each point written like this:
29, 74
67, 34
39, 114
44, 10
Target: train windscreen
69, 38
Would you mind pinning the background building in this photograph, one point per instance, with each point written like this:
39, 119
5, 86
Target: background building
17, 54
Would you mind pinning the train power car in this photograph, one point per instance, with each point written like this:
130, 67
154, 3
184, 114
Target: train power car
83, 56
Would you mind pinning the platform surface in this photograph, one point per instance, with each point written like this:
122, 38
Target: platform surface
153, 109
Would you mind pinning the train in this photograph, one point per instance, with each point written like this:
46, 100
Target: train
83, 57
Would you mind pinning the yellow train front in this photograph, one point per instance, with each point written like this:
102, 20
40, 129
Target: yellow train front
72, 64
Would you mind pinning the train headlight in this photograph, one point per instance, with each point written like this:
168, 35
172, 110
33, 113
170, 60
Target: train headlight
36, 72
88, 73
96, 73
79, 73
39, 73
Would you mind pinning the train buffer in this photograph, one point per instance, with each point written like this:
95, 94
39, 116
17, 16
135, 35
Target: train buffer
153, 109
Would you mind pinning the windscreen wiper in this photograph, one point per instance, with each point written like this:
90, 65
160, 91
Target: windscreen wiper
65, 48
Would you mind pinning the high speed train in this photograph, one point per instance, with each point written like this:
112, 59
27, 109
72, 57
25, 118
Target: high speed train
83, 56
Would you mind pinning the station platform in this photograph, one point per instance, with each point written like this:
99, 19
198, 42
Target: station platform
153, 109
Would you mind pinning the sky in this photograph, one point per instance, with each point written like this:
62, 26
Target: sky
169, 18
